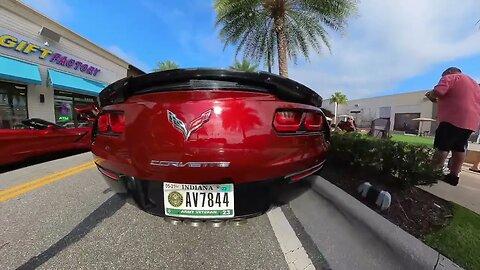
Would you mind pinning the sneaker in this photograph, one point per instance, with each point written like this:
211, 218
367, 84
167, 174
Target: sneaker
451, 179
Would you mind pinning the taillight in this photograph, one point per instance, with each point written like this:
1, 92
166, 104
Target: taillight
313, 121
287, 120
103, 123
111, 122
117, 122
297, 121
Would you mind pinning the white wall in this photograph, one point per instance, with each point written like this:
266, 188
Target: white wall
35, 108
414, 102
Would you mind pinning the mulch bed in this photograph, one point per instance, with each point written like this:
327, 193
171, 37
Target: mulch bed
414, 210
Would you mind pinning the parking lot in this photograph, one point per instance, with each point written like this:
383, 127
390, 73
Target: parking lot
61, 215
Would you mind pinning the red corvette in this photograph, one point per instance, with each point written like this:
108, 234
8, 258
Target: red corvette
39, 137
207, 144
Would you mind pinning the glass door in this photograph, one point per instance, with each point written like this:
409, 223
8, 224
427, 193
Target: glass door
13, 105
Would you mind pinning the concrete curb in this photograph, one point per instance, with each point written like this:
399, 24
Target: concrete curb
414, 253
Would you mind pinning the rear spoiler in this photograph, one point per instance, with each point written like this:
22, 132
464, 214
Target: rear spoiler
181, 80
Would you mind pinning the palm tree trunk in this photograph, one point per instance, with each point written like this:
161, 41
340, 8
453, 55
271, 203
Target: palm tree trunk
282, 54
336, 108
269, 62
281, 39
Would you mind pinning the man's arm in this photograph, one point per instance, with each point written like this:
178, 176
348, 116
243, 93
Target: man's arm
444, 85
431, 96
441, 88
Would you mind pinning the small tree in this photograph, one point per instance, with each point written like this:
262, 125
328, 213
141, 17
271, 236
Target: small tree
166, 65
338, 98
245, 65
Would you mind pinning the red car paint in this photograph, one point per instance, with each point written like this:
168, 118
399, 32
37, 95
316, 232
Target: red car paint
239, 131
236, 126
40, 139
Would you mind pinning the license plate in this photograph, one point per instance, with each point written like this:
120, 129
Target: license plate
198, 201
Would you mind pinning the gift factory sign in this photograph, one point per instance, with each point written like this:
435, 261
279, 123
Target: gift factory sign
45, 54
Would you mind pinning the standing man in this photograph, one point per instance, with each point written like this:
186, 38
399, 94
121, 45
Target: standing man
458, 98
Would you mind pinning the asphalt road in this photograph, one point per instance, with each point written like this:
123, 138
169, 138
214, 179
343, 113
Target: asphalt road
61, 215
70, 220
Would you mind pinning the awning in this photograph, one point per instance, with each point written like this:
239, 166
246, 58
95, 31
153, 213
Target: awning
65, 81
19, 71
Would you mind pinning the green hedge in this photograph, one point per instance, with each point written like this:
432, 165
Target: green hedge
407, 164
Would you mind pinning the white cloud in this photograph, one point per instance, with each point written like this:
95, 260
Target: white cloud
129, 57
58, 10
391, 41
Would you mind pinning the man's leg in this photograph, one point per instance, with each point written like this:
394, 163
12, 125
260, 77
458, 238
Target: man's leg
476, 166
442, 145
459, 150
457, 161
439, 159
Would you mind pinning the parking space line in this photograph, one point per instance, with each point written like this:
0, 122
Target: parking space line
293, 250
34, 184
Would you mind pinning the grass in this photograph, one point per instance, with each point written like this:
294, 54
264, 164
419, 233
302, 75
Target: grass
460, 240
412, 139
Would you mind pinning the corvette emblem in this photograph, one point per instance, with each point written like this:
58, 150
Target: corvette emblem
192, 127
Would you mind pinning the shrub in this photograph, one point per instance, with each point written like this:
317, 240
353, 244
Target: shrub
408, 164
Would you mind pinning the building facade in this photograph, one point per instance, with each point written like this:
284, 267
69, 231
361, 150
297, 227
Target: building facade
47, 70
399, 108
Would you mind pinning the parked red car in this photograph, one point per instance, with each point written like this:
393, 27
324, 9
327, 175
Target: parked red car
37, 137
208, 144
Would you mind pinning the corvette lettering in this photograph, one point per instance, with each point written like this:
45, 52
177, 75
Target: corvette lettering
179, 164
192, 127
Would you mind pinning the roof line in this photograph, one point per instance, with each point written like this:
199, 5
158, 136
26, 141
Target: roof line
389, 95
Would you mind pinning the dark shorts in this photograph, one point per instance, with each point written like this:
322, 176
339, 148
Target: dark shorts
451, 138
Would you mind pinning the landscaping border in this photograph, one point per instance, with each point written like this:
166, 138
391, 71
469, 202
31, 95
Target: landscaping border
412, 251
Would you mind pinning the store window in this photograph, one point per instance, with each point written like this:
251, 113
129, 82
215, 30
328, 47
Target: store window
403, 122
13, 105
65, 104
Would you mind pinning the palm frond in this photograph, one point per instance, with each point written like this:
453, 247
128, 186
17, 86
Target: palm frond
250, 26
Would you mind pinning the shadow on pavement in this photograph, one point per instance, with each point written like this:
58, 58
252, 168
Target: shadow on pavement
39, 159
290, 192
104, 211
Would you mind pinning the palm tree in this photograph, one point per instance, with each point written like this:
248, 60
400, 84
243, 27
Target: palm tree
245, 65
265, 29
338, 98
166, 65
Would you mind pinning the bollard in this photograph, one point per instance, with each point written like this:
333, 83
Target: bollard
381, 198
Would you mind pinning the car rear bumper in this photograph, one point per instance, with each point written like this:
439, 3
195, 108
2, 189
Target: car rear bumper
251, 199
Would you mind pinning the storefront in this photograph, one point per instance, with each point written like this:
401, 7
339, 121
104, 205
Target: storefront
46, 70
13, 104
400, 109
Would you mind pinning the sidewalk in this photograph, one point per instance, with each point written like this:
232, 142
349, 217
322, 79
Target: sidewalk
466, 194
352, 236
473, 146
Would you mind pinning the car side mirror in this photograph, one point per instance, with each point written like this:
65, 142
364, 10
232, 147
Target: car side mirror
51, 127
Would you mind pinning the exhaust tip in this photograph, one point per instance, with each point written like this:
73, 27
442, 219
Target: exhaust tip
193, 223
238, 221
216, 223
173, 221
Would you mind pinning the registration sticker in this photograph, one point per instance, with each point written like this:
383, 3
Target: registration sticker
199, 201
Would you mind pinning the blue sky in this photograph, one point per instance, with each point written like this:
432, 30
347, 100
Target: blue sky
389, 46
